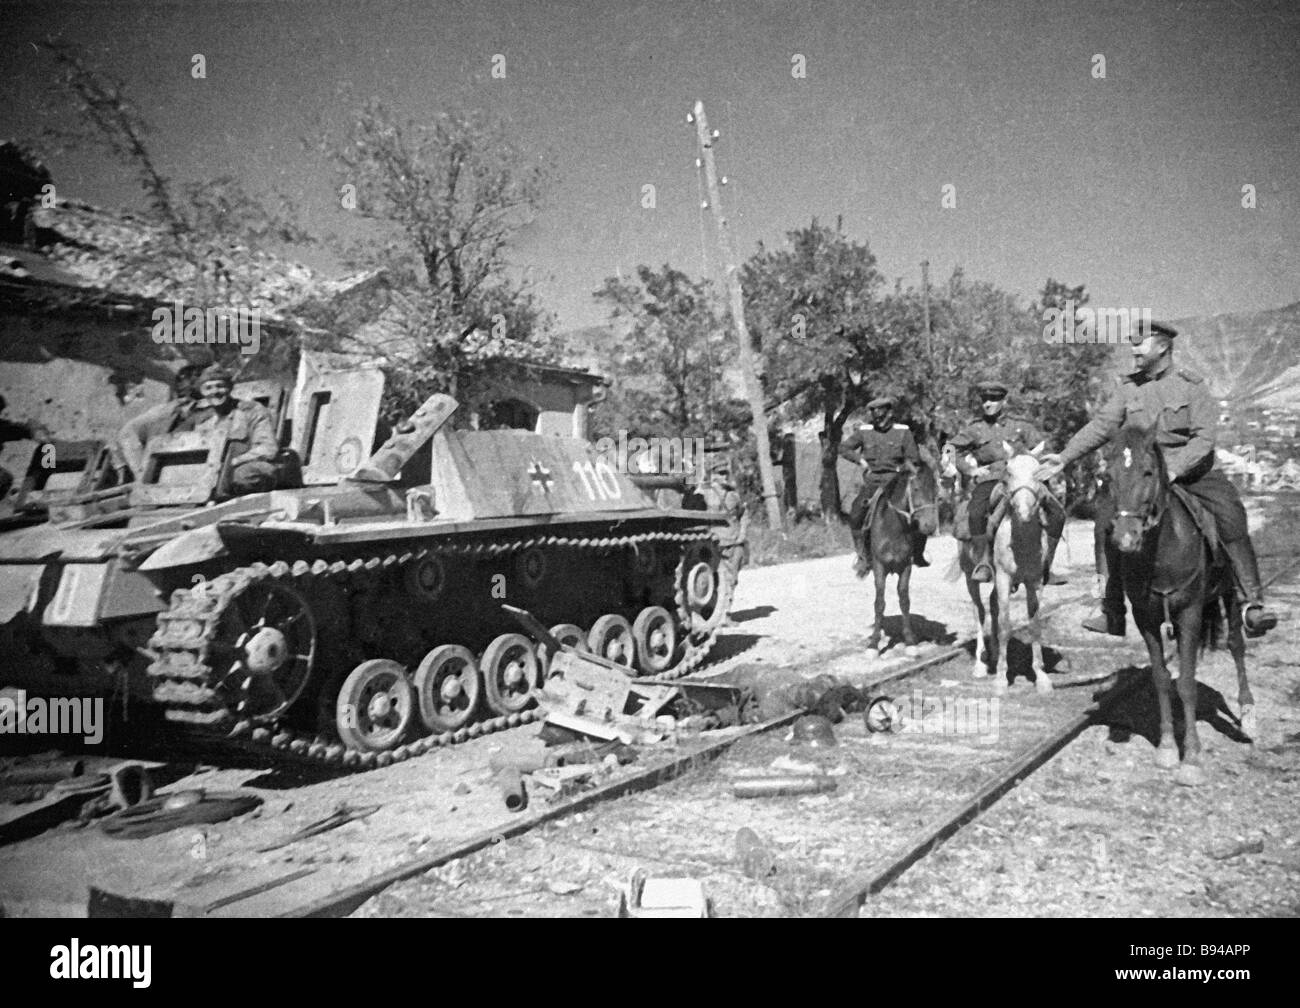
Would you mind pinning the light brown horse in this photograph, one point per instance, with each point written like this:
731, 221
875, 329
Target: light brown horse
1019, 550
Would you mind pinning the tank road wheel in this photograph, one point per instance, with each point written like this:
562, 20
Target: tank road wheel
425, 577
655, 636
566, 633
269, 631
447, 687
611, 637
510, 672
532, 567
375, 706
646, 560
702, 587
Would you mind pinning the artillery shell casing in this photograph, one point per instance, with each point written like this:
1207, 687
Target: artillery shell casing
44, 773
769, 787
513, 792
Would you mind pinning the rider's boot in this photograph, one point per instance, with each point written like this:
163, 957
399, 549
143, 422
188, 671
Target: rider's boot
860, 565
1258, 619
918, 550
1112, 620
983, 571
1048, 577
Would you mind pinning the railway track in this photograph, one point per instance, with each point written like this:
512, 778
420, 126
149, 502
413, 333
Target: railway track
898, 798
658, 773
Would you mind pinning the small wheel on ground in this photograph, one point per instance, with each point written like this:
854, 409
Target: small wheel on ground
654, 635
611, 638
447, 688
566, 633
375, 706
510, 673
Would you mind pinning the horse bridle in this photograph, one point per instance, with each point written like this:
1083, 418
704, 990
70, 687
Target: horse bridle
912, 510
1150, 518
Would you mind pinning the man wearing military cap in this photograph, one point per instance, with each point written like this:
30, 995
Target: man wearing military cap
248, 429
1177, 405
161, 419
986, 439
882, 449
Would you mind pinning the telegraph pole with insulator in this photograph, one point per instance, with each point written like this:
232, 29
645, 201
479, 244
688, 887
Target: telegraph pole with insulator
748, 368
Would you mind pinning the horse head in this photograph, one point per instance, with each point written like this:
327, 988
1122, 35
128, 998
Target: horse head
1139, 486
1023, 489
923, 494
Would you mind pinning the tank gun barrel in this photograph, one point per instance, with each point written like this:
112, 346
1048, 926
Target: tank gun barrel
661, 481
406, 439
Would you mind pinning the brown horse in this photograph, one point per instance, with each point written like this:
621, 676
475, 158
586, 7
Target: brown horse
907, 506
1175, 586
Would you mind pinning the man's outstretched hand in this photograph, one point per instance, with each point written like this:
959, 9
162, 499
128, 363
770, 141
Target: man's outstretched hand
1049, 468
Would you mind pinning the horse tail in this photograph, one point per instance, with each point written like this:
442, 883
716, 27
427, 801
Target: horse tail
1212, 624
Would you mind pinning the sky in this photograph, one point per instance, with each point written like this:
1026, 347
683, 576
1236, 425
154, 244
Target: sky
1131, 184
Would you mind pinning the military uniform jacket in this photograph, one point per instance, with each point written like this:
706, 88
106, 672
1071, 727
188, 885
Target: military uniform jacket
249, 423
884, 452
1176, 404
984, 440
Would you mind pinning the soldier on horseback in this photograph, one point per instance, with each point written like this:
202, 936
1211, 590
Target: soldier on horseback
1177, 405
883, 450
984, 438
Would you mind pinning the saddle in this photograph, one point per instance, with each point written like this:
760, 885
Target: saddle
1203, 519
961, 520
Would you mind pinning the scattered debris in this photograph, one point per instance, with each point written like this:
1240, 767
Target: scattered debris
130, 785
753, 855
1225, 851
461, 788
789, 765
341, 816
185, 808
813, 730
513, 792
663, 897
565, 779
771, 787
882, 714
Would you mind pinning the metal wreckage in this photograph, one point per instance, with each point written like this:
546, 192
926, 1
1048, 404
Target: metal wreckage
353, 617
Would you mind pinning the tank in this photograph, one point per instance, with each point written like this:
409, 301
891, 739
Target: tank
355, 619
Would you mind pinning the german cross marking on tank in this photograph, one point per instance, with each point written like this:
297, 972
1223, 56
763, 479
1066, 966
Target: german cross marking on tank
540, 475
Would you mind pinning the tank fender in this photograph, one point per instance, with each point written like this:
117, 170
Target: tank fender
192, 547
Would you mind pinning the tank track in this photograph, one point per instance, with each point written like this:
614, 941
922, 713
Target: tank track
186, 686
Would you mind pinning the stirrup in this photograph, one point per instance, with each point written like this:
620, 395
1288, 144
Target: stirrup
1258, 620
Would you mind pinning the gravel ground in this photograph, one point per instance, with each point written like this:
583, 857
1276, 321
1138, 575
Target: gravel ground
1100, 831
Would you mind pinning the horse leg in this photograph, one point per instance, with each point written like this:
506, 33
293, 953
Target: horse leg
1237, 648
1001, 668
1167, 750
1041, 682
873, 645
905, 604
978, 670
1190, 773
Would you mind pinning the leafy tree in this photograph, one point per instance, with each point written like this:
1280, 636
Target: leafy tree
205, 242
830, 341
667, 367
445, 199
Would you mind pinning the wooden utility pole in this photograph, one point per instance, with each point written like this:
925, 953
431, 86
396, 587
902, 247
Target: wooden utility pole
748, 371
